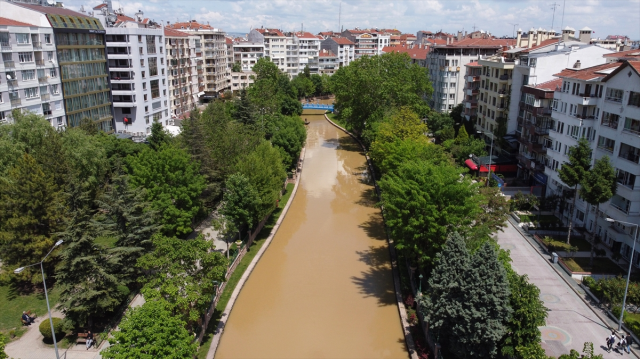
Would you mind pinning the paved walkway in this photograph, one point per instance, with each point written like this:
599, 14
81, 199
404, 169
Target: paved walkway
571, 322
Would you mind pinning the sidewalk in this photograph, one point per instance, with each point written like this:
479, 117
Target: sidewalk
573, 319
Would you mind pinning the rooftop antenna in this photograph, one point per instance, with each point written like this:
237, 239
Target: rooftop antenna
554, 6
514, 30
340, 15
564, 2
474, 27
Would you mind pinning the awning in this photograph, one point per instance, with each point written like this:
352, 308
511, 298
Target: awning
471, 165
200, 93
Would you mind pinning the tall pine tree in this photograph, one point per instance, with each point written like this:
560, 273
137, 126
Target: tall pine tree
572, 173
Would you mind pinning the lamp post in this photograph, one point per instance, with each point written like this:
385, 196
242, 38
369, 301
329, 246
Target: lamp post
420, 284
633, 249
19, 270
490, 156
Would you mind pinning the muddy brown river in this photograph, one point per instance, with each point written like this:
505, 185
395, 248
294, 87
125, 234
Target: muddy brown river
324, 287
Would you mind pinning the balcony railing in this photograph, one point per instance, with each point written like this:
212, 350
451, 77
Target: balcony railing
37, 45
631, 130
629, 156
39, 62
43, 79
5, 46
504, 77
16, 102
45, 97
9, 64
12, 82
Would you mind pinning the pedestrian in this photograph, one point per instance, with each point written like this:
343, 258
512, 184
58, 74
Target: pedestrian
622, 344
610, 340
629, 342
89, 339
27, 319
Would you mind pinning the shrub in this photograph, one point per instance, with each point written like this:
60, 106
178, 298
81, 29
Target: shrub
45, 328
123, 290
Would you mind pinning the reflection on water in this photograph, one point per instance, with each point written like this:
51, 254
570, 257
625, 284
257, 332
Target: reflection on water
324, 288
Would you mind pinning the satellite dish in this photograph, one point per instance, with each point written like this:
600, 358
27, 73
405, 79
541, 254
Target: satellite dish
51, 2
8, 77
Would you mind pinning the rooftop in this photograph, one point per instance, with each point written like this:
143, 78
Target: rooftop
270, 32
473, 64
549, 85
543, 43
416, 53
629, 54
8, 22
590, 73
190, 25
327, 53
305, 35
342, 41
174, 33
479, 43
52, 10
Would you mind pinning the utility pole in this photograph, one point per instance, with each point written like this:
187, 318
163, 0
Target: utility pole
554, 6
340, 17
514, 31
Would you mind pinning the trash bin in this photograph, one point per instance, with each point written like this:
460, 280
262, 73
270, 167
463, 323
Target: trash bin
554, 257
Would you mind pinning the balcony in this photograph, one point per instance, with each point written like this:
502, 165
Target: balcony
471, 104
40, 63
5, 46
472, 92
504, 77
588, 100
9, 64
37, 45
473, 78
43, 79
629, 156
16, 102
12, 82
45, 97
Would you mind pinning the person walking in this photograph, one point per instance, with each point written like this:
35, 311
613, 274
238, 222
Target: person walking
622, 344
610, 340
629, 339
89, 339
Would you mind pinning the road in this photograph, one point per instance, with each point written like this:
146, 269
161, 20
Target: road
571, 322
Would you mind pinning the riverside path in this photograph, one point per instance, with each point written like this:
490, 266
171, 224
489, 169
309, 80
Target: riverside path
324, 287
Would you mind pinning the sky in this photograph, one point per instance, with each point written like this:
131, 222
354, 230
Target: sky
605, 17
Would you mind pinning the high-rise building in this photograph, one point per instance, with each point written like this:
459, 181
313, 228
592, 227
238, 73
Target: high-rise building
276, 47
29, 78
213, 45
247, 53
367, 42
137, 69
342, 47
80, 45
182, 73
308, 46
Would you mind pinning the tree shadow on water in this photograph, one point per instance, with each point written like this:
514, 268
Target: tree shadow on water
377, 281
374, 227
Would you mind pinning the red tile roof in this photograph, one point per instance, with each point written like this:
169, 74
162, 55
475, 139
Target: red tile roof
270, 32
426, 32
550, 85
327, 53
437, 41
635, 65
190, 25
342, 41
228, 41
490, 43
415, 52
542, 44
99, 6
588, 73
122, 18
305, 35
473, 64
8, 22
53, 10
629, 54
174, 33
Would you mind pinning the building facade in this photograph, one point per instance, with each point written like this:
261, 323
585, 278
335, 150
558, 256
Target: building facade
367, 42
342, 47
276, 47
247, 53
328, 62
29, 77
308, 46
182, 73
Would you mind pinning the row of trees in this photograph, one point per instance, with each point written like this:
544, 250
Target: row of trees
440, 219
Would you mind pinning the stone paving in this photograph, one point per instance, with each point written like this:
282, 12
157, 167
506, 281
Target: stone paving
571, 321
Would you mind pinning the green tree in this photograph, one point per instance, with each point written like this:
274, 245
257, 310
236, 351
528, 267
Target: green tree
3, 342
88, 126
182, 272
447, 133
598, 186
369, 86
463, 136
148, 332
494, 211
159, 136
237, 67
440, 124
288, 133
388, 157
318, 84
245, 111
86, 159
460, 150
456, 114
86, 272
573, 173
31, 213
303, 85
241, 202
173, 186
423, 202
264, 169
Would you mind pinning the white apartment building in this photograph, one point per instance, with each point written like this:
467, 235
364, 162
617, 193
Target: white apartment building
182, 73
445, 63
367, 42
342, 47
213, 46
276, 46
328, 62
29, 77
241, 80
138, 72
308, 46
601, 103
247, 53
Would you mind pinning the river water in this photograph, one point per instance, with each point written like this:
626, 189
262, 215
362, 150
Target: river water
324, 287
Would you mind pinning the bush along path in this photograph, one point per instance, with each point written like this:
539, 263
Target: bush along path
244, 272
406, 326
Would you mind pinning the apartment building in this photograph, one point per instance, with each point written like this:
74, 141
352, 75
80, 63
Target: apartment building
81, 61
276, 47
240, 80
137, 71
213, 46
247, 53
342, 47
496, 76
367, 42
473, 70
327, 62
446, 61
602, 104
308, 46
417, 53
182, 73
29, 78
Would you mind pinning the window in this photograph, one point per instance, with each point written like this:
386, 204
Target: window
610, 120
141, 51
614, 95
141, 62
25, 56
155, 88
143, 74
634, 98
28, 75
632, 125
54, 89
47, 38
606, 144
31, 92
625, 178
153, 66
580, 215
58, 105
50, 55
146, 109
126, 110
145, 97
525, 80
144, 85
23, 38
554, 105
139, 38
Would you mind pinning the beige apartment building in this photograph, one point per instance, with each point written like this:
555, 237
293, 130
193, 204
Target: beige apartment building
496, 75
214, 53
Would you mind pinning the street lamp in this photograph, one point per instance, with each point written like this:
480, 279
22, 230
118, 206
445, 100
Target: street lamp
420, 284
626, 288
19, 270
490, 156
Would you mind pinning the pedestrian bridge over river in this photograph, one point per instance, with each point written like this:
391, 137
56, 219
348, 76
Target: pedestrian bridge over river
316, 106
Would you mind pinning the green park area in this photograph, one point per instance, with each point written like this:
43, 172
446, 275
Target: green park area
13, 304
601, 265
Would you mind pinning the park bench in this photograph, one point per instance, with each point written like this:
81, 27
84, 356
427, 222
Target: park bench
82, 338
24, 322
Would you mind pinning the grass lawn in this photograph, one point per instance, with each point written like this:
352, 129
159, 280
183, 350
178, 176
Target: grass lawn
237, 274
545, 218
13, 305
600, 265
561, 243
338, 120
